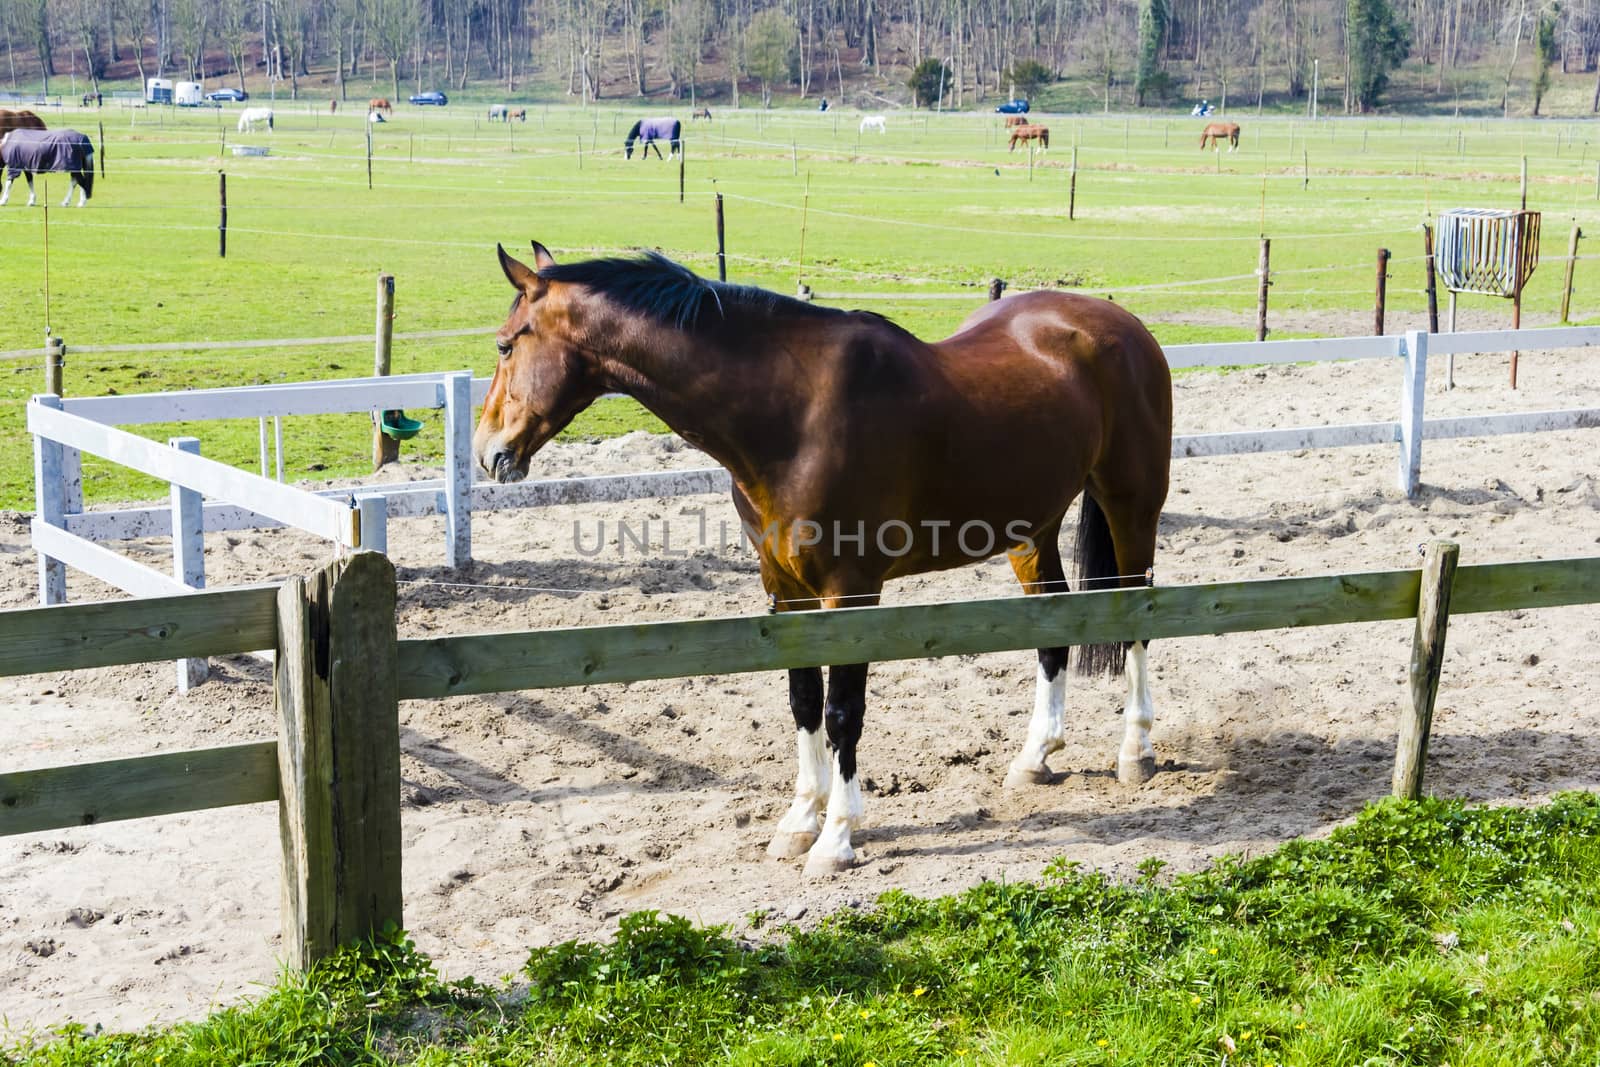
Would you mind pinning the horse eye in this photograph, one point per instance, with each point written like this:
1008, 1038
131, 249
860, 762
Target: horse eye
503, 348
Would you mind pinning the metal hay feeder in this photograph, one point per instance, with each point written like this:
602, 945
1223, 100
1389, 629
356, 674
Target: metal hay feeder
1488, 252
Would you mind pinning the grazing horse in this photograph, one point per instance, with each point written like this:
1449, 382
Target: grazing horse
861, 454
28, 152
700, 113
653, 130
19, 120
872, 122
380, 103
1030, 132
1217, 132
499, 113
519, 113
1016, 120
250, 117
333, 107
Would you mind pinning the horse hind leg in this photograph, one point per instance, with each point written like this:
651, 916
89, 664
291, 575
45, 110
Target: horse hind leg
5, 192
1116, 545
1038, 568
72, 183
29, 177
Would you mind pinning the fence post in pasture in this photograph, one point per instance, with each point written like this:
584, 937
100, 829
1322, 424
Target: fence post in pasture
385, 449
1264, 274
1412, 388
50, 505
722, 251
222, 214
1572, 261
580, 151
373, 509
458, 470
1072, 187
1427, 660
1524, 183
188, 554
794, 158
682, 155
102, 126
1382, 291
55, 360
338, 756
369, 156
1433, 278
997, 286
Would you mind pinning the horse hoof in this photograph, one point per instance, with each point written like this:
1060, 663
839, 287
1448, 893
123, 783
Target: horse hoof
1022, 777
787, 846
1136, 771
823, 866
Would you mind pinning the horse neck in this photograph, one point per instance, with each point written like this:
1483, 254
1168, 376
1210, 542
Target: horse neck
718, 391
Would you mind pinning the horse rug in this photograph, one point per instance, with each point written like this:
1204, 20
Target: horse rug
38, 151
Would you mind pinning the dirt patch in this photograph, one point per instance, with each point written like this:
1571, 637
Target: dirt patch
533, 817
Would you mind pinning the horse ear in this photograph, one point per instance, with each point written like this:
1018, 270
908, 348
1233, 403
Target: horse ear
542, 257
517, 273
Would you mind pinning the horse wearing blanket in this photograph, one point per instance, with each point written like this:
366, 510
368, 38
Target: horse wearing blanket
861, 454
653, 130
30, 152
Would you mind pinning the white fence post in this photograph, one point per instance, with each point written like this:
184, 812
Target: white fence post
458, 470
1412, 389
374, 509
50, 505
188, 554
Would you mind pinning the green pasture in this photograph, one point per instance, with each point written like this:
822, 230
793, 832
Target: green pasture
912, 223
1424, 933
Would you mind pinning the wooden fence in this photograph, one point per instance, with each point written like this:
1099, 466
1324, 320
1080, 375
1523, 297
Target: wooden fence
340, 671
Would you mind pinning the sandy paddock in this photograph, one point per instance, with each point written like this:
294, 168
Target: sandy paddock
534, 817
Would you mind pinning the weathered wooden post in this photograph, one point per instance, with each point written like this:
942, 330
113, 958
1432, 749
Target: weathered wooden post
102, 126
997, 286
1381, 292
222, 217
1265, 280
682, 155
55, 360
385, 449
1072, 187
369, 156
1572, 261
338, 756
1427, 660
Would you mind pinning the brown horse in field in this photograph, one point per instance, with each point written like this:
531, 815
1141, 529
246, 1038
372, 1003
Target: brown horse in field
1016, 120
860, 454
380, 103
333, 107
19, 120
700, 113
518, 113
1029, 132
1217, 132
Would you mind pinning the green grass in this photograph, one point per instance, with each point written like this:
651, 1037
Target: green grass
1424, 933
936, 205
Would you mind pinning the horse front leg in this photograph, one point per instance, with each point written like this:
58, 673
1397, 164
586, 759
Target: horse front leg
5, 193
798, 829
844, 714
72, 183
31, 199
1136, 759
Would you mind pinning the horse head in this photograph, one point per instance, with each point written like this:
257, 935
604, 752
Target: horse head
633, 135
542, 379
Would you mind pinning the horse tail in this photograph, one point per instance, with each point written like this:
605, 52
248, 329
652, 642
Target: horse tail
1097, 569
85, 174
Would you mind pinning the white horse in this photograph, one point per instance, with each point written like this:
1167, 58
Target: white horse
873, 122
252, 115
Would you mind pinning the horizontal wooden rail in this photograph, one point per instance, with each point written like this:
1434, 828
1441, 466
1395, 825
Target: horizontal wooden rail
72, 636
82, 794
489, 663
1545, 583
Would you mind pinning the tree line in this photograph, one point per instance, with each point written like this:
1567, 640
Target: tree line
1130, 52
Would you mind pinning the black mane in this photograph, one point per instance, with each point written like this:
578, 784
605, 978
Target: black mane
633, 131
672, 294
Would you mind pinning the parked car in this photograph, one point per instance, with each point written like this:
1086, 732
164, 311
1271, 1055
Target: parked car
228, 94
1013, 107
432, 96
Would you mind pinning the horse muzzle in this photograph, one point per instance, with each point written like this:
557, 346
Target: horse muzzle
501, 465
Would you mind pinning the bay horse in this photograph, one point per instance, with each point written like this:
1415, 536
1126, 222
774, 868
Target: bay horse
700, 113
653, 130
27, 152
333, 107
1016, 120
518, 113
380, 103
861, 454
1217, 132
19, 120
1029, 132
